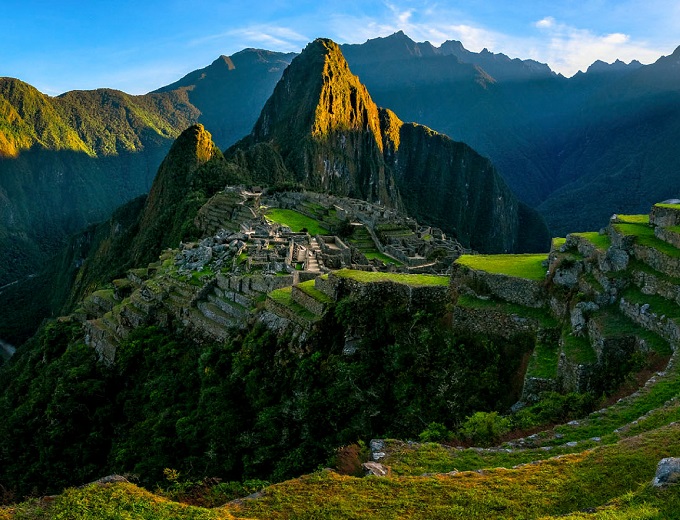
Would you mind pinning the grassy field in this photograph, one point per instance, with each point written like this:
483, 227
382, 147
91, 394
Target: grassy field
295, 221
667, 206
520, 266
414, 280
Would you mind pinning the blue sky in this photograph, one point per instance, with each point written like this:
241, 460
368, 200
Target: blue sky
137, 46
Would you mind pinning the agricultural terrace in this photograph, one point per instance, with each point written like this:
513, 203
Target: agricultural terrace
295, 221
529, 266
644, 236
413, 280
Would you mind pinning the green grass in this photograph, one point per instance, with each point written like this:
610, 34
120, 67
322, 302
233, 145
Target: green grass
558, 242
667, 206
601, 242
529, 266
414, 280
309, 288
284, 297
578, 349
552, 487
543, 362
371, 255
110, 501
543, 316
296, 221
614, 324
657, 304
645, 237
633, 219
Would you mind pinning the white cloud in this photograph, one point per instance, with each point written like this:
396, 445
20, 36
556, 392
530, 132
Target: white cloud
569, 49
545, 23
271, 37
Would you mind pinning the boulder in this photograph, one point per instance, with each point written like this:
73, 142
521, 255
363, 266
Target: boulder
375, 469
667, 472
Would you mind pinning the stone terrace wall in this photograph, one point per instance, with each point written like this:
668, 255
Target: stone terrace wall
664, 217
483, 322
657, 260
529, 293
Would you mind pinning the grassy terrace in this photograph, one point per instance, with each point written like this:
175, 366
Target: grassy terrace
543, 362
645, 237
543, 316
657, 304
295, 221
667, 206
362, 240
614, 324
558, 242
601, 242
284, 297
519, 266
633, 219
414, 280
578, 349
309, 288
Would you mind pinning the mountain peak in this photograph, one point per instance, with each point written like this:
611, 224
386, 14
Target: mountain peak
317, 94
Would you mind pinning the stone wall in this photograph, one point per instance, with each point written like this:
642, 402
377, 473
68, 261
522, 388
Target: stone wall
651, 284
486, 322
657, 260
662, 325
308, 302
664, 217
668, 236
529, 293
573, 377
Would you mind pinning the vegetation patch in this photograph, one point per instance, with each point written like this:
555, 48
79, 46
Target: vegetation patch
601, 242
667, 206
296, 221
529, 266
543, 316
558, 242
645, 237
309, 288
543, 362
414, 280
578, 349
284, 297
633, 219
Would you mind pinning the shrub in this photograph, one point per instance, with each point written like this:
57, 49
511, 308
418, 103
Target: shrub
435, 432
484, 428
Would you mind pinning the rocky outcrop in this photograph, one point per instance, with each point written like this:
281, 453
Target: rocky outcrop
667, 472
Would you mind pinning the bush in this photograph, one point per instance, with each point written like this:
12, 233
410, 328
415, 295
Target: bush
435, 432
484, 428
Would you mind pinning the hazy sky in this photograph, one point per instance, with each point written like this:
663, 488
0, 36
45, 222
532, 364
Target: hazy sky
140, 45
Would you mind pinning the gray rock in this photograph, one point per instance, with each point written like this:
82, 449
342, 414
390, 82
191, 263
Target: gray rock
376, 469
667, 472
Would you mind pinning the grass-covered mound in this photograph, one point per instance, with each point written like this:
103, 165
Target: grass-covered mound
521, 266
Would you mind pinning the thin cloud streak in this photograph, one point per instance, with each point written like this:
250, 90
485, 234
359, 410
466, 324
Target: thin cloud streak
272, 37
